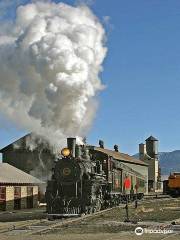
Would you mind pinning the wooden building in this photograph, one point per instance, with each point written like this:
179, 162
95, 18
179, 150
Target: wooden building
18, 189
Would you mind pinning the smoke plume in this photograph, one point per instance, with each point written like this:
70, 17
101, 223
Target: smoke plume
50, 60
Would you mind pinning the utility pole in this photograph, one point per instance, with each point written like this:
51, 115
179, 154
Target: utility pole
136, 200
127, 210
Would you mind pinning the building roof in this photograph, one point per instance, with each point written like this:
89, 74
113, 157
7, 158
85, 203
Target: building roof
121, 156
13, 175
18, 142
151, 138
25, 142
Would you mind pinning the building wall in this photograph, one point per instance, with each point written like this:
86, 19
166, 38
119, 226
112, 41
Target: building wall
151, 168
23, 197
156, 165
9, 198
140, 169
35, 196
19, 159
153, 165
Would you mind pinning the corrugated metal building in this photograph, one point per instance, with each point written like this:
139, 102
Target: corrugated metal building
18, 189
31, 154
132, 164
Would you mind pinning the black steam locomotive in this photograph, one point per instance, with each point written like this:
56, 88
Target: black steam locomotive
85, 180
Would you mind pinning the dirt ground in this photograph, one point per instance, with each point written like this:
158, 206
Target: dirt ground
22, 215
109, 225
98, 236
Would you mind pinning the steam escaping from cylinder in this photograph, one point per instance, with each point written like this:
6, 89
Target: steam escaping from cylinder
50, 61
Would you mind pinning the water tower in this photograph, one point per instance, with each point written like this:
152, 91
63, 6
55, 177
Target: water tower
152, 147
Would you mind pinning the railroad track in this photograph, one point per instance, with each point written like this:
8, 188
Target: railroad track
156, 196
46, 226
14, 225
69, 221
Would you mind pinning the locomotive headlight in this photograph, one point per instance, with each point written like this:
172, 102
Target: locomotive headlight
65, 152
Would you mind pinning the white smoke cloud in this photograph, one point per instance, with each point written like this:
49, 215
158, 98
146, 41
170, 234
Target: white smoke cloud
50, 62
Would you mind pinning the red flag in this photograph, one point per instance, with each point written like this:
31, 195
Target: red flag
127, 183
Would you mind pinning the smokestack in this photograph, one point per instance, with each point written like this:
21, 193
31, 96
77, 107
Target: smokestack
101, 144
71, 144
142, 151
116, 148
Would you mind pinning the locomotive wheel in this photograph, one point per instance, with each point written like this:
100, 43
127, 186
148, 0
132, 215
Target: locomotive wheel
98, 205
87, 210
50, 218
94, 210
90, 210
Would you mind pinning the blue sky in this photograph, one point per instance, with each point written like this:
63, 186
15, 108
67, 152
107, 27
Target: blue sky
141, 72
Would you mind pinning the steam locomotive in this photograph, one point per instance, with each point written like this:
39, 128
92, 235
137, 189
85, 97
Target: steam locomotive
85, 180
